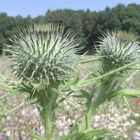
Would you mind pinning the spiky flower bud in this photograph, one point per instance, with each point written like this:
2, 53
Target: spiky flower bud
44, 53
116, 53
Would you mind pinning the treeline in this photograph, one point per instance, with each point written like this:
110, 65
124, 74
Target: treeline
87, 24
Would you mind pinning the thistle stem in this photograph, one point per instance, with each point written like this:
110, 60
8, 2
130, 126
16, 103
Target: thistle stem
92, 110
48, 127
47, 107
89, 117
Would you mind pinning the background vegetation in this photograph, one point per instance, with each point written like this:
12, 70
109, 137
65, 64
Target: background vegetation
87, 24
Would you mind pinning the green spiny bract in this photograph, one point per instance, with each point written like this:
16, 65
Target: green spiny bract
44, 53
116, 53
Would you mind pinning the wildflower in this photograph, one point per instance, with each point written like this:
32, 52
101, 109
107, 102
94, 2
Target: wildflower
137, 101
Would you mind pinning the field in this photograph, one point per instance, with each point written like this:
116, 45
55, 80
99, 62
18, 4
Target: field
18, 120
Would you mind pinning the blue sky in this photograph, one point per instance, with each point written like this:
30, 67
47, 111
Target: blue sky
39, 7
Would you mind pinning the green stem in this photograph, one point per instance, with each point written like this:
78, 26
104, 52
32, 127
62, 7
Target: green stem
47, 107
49, 126
89, 116
92, 110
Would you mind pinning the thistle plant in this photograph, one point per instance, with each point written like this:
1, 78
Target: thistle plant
116, 59
115, 54
43, 57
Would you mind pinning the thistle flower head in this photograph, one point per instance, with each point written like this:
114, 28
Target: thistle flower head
116, 53
44, 53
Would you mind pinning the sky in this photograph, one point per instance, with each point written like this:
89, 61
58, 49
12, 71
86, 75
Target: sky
40, 7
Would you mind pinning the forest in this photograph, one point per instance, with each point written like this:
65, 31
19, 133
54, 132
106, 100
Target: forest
86, 23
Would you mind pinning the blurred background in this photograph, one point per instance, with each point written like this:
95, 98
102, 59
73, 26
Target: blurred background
88, 18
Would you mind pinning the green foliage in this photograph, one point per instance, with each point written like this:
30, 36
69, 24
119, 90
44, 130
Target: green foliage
87, 135
88, 25
8, 26
128, 92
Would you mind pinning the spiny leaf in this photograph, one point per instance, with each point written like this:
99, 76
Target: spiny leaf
129, 92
